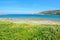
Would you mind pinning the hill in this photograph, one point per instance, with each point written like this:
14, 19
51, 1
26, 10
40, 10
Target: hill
51, 12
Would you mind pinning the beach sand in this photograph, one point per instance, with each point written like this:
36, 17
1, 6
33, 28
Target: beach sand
38, 21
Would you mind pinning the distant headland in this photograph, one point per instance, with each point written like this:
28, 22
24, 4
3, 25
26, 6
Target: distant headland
51, 12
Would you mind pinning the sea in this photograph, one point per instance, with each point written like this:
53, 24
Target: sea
31, 16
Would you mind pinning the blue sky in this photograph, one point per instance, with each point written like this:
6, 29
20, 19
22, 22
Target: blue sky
28, 6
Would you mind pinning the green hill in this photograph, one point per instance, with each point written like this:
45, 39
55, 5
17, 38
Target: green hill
51, 12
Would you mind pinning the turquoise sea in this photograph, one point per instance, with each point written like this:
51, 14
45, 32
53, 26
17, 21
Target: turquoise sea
31, 16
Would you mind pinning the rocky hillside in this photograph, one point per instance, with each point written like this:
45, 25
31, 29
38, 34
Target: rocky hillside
52, 12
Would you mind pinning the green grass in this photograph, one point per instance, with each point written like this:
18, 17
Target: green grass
25, 31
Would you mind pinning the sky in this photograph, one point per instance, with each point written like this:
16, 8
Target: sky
28, 6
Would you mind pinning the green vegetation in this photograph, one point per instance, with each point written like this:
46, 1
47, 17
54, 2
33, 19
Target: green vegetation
51, 12
24, 31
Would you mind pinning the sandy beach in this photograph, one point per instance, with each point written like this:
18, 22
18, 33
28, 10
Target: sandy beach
32, 21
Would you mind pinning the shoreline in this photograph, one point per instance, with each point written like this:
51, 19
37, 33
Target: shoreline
41, 21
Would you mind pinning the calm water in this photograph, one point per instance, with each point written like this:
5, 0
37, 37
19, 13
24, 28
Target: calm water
31, 16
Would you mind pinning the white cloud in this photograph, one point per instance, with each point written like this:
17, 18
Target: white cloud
17, 12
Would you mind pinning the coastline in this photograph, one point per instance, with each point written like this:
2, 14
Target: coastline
37, 21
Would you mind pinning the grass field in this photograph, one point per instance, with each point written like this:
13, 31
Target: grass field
25, 31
